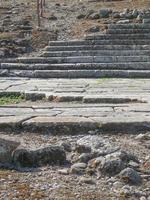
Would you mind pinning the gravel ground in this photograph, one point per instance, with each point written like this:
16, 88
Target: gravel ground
50, 183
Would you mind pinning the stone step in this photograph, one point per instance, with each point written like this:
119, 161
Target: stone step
99, 42
124, 123
76, 73
83, 59
129, 26
127, 31
95, 53
97, 47
146, 21
136, 36
77, 66
146, 16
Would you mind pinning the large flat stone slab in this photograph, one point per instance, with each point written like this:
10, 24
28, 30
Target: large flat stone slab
100, 90
60, 125
12, 122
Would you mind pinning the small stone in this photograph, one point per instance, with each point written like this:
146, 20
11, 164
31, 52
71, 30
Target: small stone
52, 17
129, 16
7, 146
40, 157
94, 163
85, 157
89, 12
117, 184
93, 142
130, 176
93, 29
87, 180
94, 16
66, 146
123, 155
139, 17
143, 137
82, 149
78, 168
57, 4
111, 167
133, 164
116, 15
81, 16
63, 171
135, 13
104, 13
143, 198
125, 21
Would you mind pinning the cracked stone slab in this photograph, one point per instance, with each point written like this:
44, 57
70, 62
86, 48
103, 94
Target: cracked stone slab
65, 89
12, 122
15, 111
124, 123
59, 125
82, 125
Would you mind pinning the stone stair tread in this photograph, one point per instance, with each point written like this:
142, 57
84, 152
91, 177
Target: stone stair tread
78, 124
129, 26
83, 59
120, 51
107, 36
100, 42
76, 73
98, 47
94, 53
77, 66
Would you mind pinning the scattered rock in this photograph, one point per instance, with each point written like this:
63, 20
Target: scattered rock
81, 16
67, 146
123, 155
93, 142
142, 137
87, 180
89, 12
94, 16
117, 184
116, 15
133, 164
143, 198
82, 149
139, 17
104, 13
78, 168
94, 163
7, 146
85, 157
130, 176
52, 17
111, 167
135, 13
125, 21
63, 171
93, 29
40, 157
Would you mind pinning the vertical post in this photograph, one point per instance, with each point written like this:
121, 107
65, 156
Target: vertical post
44, 3
38, 13
14, 2
41, 8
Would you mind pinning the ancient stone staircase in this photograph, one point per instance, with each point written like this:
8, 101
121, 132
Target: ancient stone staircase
123, 51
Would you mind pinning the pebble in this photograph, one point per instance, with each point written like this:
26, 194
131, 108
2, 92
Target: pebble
63, 171
78, 168
143, 198
130, 176
87, 180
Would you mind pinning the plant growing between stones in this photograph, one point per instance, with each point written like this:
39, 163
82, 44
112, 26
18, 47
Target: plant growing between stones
11, 99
